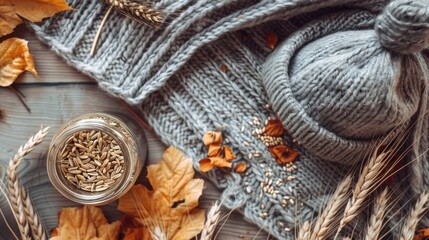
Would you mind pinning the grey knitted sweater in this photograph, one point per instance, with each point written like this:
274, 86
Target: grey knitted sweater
332, 81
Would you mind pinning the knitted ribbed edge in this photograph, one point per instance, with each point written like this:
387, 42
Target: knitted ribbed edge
318, 140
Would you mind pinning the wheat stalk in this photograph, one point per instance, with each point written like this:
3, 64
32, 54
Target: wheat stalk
304, 231
211, 222
138, 11
324, 223
413, 218
376, 220
21, 205
366, 183
37, 230
157, 234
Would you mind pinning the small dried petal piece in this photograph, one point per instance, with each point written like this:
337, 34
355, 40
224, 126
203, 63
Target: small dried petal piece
228, 154
223, 68
271, 39
208, 164
14, 60
215, 151
283, 154
241, 167
212, 138
421, 234
274, 128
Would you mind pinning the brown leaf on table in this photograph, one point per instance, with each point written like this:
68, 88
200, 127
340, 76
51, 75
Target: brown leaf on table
32, 10
271, 39
14, 60
132, 230
274, 128
170, 208
87, 223
283, 154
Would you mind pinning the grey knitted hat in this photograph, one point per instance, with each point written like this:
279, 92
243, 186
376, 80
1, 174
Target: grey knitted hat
340, 81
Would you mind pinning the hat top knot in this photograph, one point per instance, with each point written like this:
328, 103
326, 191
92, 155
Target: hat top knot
403, 27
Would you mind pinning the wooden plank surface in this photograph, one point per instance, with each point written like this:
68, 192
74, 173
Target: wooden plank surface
61, 94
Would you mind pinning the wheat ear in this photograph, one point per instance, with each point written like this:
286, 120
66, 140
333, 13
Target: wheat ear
37, 230
304, 231
140, 12
15, 193
324, 223
366, 183
157, 234
211, 222
376, 220
413, 218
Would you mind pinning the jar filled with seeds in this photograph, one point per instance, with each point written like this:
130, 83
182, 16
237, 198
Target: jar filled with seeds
96, 158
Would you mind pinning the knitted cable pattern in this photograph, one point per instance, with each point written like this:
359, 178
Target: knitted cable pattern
174, 74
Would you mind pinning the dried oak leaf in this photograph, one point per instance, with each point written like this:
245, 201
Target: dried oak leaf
171, 206
14, 60
132, 230
32, 10
283, 154
212, 138
271, 39
274, 128
87, 223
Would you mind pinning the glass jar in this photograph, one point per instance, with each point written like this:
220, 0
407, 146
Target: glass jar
125, 132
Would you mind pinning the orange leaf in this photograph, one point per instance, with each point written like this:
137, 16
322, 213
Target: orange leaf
283, 154
228, 154
421, 234
32, 10
208, 164
132, 230
14, 60
87, 223
274, 128
271, 39
215, 151
212, 137
173, 200
241, 167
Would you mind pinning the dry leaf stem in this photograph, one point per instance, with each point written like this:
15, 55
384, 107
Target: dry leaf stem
20, 97
325, 222
21, 204
414, 216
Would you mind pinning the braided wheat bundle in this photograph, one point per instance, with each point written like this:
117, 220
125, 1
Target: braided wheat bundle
28, 221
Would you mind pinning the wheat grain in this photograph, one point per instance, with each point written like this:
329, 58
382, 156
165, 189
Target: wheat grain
211, 222
324, 223
21, 204
304, 231
414, 216
376, 220
138, 11
366, 183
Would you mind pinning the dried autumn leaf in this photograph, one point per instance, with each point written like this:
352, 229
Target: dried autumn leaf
171, 206
271, 39
215, 151
14, 60
87, 223
274, 128
283, 154
212, 138
132, 230
32, 10
228, 154
421, 234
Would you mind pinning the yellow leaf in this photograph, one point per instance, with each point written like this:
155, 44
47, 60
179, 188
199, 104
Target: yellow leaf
87, 223
14, 59
32, 10
171, 206
8, 20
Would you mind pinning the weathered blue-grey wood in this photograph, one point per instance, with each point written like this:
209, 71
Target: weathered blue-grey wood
53, 100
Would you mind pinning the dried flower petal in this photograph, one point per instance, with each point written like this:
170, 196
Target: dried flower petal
208, 164
241, 167
274, 128
215, 151
223, 68
283, 154
212, 137
228, 154
271, 39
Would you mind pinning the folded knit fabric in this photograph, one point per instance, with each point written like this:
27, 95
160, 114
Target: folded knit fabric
338, 86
